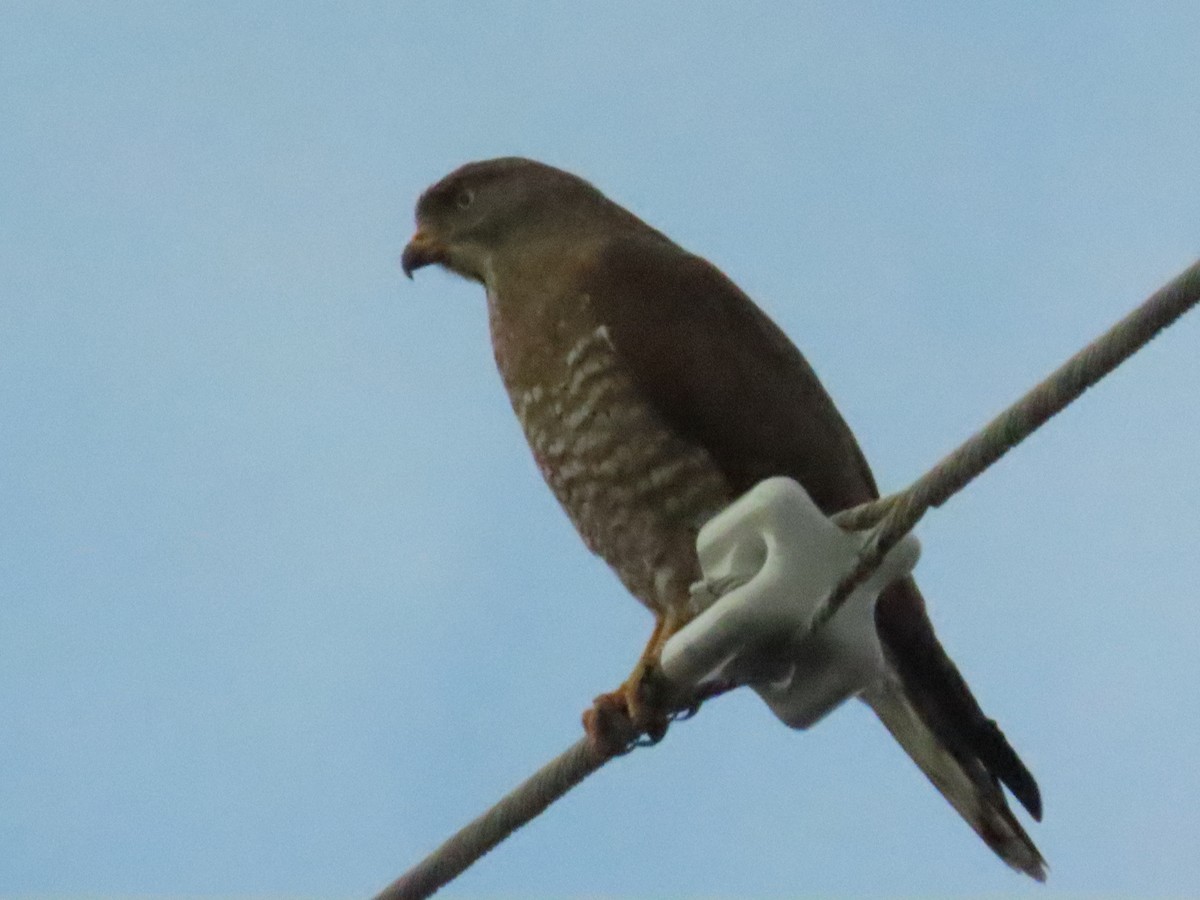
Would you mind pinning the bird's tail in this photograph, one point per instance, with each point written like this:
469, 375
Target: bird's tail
966, 768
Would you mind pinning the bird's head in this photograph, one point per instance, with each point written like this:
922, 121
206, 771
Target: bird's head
485, 208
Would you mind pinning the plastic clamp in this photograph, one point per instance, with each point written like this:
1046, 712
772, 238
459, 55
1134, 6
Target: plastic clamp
768, 560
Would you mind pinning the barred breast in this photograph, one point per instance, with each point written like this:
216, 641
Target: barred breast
636, 492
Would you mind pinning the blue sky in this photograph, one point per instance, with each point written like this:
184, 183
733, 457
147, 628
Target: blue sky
283, 601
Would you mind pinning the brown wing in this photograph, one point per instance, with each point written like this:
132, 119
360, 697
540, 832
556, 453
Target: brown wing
725, 377
723, 374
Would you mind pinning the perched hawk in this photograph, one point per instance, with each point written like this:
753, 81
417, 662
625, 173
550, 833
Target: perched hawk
653, 392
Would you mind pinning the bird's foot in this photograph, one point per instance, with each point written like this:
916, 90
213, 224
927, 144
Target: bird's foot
636, 713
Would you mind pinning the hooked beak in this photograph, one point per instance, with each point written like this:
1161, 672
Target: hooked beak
421, 251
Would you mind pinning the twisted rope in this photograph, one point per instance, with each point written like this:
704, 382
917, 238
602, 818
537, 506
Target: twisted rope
890, 519
515, 809
895, 516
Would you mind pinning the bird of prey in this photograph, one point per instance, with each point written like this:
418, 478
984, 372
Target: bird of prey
653, 392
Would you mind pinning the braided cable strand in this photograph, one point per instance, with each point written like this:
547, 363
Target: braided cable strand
890, 519
895, 516
515, 809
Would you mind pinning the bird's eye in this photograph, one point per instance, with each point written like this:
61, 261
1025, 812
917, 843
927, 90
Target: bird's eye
464, 199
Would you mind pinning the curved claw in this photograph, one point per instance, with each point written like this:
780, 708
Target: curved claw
682, 715
647, 740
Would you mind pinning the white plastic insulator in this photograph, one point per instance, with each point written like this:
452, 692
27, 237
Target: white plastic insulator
768, 560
